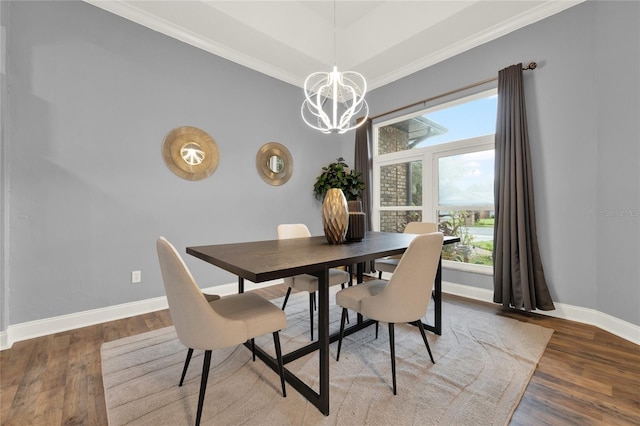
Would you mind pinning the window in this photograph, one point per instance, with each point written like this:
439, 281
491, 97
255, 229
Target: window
437, 166
401, 191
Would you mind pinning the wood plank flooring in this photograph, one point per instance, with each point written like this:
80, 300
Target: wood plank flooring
585, 377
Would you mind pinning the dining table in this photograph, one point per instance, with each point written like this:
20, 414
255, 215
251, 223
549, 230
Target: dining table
260, 261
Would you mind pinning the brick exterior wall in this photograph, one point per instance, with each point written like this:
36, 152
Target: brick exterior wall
393, 181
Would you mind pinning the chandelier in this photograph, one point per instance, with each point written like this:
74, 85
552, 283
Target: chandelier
333, 99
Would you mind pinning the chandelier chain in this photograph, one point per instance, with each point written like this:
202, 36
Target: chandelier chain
335, 48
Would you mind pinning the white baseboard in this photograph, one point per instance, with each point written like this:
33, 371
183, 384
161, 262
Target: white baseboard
613, 325
43, 327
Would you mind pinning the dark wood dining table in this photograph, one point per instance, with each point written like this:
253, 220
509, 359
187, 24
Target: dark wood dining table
260, 261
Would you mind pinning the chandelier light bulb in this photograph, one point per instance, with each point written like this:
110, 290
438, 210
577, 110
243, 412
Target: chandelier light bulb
333, 99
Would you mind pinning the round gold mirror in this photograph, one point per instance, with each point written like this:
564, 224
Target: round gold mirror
190, 153
274, 163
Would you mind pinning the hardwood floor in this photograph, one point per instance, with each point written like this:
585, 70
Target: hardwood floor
586, 376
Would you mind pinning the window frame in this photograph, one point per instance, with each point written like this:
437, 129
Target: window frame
429, 156
467, 146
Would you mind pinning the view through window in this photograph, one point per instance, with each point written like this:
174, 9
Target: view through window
438, 166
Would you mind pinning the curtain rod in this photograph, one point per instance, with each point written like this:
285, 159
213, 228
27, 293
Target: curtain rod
531, 66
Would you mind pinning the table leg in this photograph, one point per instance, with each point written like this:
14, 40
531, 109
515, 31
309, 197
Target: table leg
359, 280
437, 300
319, 399
240, 285
323, 340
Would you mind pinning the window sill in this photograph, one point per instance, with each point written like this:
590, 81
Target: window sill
468, 267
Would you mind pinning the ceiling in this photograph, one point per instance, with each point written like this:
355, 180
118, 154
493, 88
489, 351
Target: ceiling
288, 40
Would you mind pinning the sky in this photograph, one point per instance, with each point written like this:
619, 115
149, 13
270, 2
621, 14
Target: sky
468, 120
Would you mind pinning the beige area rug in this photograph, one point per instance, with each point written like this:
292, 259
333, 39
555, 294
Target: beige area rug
483, 365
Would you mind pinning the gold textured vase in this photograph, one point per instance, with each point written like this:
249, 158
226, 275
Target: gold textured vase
335, 216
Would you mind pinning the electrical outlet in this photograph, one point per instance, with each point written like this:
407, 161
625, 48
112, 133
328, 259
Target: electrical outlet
136, 276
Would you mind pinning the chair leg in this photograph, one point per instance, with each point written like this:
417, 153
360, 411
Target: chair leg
392, 345
344, 315
203, 384
342, 286
253, 349
379, 275
276, 343
312, 301
186, 365
348, 322
424, 337
377, 329
286, 298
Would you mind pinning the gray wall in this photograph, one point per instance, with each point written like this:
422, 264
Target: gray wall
4, 304
617, 116
91, 96
583, 104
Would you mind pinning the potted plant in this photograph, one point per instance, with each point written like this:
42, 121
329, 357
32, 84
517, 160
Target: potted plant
338, 175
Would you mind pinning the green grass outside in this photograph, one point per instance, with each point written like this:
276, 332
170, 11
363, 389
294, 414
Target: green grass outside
482, 223
481, 260
486, 245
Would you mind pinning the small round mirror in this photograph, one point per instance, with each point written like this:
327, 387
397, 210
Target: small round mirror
274, 163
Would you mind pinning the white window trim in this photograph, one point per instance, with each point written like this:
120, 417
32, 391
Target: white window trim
465, 146
429, 156
467, 267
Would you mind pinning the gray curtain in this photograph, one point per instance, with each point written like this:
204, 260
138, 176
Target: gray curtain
363, 162
518, 275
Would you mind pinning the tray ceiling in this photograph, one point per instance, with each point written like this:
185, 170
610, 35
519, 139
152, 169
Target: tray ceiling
383, 40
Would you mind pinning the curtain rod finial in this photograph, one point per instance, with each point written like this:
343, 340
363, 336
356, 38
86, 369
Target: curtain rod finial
531, 66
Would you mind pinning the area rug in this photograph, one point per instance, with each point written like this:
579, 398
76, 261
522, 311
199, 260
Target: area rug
483, 365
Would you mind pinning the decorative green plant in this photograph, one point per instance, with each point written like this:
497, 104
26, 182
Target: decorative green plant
338, 175
455, 224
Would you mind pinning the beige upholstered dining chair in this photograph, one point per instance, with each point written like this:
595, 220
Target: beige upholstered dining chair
388, 264
307, 282
403, 299
215, 323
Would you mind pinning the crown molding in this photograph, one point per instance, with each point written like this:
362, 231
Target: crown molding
541, 12
129, 10
132, 13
